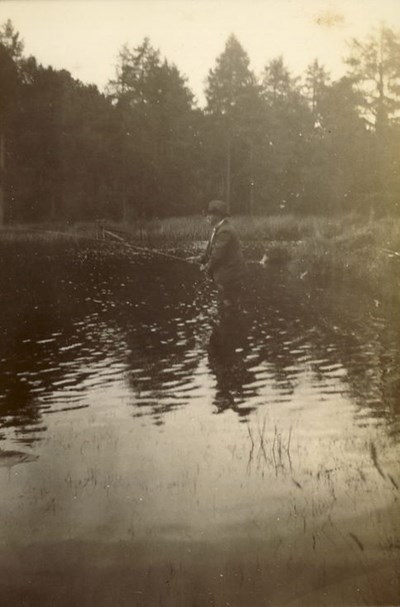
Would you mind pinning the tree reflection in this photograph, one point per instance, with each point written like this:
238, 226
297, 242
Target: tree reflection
94, 313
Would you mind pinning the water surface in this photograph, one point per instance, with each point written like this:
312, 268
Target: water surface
154, 455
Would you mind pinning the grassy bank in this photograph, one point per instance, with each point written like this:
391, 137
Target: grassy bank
312, 248
346, 248
367, 253
175, 231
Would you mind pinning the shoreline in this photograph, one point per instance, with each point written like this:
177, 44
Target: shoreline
348, 249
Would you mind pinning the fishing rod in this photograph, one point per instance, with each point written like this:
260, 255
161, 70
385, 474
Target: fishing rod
145, 249
190, 260
205, 279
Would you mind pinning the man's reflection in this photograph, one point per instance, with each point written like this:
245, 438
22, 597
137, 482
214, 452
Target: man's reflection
226, 356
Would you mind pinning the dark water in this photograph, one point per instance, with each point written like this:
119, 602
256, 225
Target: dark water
252, 461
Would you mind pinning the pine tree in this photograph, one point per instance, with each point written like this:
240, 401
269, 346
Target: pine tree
278, 84
316, 81
154, 106
286, 125
374, 66
234, 108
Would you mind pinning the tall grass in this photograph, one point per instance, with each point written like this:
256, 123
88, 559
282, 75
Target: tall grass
279, 228
171, 231
288, 228
350, 232
364, 252
314, 247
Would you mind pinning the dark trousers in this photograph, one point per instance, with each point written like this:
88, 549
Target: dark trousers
229, 296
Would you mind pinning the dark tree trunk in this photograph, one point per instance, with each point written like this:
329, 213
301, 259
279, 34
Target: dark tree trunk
228, 171
2, 178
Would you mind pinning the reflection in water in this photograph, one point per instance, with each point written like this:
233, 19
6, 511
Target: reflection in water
227, 350
99, 318
112, 368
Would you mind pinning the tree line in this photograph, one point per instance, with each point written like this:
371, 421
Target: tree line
143, 148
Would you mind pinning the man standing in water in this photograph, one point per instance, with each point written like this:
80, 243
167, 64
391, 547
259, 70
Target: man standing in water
223, 259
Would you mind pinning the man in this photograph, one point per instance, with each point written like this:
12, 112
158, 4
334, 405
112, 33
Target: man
223, 260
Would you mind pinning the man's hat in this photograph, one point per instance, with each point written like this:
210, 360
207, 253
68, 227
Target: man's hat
218, 207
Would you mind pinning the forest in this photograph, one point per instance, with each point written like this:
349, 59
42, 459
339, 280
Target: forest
272, 144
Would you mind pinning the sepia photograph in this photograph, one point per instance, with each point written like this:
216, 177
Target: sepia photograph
199, 303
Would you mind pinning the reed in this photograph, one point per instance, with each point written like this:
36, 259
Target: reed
312, 247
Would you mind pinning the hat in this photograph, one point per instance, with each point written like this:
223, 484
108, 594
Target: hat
218, 207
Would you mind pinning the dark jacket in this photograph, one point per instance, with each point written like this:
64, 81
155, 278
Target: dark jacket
223, 257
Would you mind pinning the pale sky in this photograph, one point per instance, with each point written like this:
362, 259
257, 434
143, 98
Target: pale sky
84, 36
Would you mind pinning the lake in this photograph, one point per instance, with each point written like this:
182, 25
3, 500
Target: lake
154, 454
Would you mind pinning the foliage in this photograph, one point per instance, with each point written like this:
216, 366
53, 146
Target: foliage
375, 68
154, 110
276, 144
287, 122
233, 112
